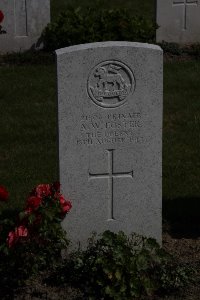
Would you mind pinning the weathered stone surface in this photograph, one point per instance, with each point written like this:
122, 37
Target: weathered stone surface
110, 137
178, 21
23, 23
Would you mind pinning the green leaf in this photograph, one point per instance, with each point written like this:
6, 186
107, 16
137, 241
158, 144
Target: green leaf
118, 275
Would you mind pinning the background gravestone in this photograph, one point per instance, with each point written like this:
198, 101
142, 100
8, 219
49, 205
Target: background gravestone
178, 21
23, 23
110, 137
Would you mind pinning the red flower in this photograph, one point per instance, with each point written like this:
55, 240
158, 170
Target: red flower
14, 236
21, 231
33, 203
65, 205
43, 190
1, 16
11, 239
3, 194
61, 199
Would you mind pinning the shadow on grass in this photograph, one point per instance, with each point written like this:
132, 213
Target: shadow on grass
182, 216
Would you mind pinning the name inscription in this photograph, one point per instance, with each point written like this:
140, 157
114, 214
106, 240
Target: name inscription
98, 129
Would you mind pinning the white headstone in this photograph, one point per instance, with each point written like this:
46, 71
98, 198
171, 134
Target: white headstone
110, 137
178, 21
23, 23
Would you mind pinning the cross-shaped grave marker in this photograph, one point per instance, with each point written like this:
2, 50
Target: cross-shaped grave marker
185, 4
110, 175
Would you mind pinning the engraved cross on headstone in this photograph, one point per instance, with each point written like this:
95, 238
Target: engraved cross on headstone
185, 4
110, 175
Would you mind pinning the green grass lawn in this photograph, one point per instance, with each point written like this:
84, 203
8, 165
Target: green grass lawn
181, 144
28, 129
145, 7
181, 159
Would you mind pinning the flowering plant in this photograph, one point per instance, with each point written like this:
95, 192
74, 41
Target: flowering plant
1, 20
45, 205
35, 240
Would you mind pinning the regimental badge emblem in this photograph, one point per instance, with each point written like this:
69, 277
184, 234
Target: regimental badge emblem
110, 83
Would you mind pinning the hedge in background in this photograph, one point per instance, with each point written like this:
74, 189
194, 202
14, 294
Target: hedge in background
78, 26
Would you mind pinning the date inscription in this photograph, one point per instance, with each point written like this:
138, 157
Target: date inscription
98, 129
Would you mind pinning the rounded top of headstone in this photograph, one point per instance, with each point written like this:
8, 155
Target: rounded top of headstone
106, 44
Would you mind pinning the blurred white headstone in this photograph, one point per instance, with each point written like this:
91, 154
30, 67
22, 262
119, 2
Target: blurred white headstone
178, 21
23, 23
